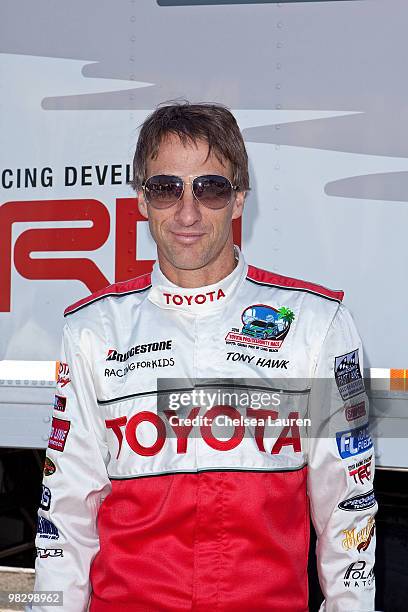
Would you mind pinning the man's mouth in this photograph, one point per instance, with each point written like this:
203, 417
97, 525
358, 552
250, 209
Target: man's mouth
187, 237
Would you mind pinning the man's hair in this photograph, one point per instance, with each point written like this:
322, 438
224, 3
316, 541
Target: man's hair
213, 123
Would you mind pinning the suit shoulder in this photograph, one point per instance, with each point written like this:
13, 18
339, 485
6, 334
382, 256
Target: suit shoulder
271, 279
134, 285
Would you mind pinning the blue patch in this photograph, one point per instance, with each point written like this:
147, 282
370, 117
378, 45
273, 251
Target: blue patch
46, 529
353, 442
359, 502
45, 498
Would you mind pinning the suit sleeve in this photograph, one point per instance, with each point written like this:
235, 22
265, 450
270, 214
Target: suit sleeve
341, 469
75, 482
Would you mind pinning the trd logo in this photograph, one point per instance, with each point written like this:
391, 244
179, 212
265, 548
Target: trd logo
71, 239
361, 471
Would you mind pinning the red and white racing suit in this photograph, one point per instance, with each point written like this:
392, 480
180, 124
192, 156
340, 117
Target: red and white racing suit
144, 511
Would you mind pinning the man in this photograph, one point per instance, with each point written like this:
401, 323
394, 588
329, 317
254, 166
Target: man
150, 511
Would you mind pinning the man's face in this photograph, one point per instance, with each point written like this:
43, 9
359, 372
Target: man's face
189, 235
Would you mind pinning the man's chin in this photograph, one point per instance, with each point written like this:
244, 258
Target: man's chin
187, 258
188, 262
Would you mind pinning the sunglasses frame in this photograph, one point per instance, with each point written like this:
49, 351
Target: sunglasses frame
190, 182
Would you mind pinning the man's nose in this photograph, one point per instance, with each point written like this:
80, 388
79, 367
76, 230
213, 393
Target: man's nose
188, 208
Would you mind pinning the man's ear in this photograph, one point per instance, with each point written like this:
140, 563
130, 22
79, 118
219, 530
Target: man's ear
238, 205
142, 204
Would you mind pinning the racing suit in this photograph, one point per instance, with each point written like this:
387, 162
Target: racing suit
144, 511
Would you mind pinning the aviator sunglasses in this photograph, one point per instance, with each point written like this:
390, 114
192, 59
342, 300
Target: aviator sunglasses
211, 190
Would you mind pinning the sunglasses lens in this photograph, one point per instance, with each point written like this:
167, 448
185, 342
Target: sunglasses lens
212, 190
163, 190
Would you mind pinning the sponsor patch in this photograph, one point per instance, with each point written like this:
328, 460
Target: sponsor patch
359, 502
59, 403
348, 375
139, 349
359, 539
59, 434
353, 442
263, 327
357, 576
188, 300
356, 412
49, 467
361, 471
44, 553
130, 367
46, 529
169, 424
45, 498
63, 374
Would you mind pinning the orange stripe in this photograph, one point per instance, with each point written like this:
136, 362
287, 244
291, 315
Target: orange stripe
57, 365
397, 380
